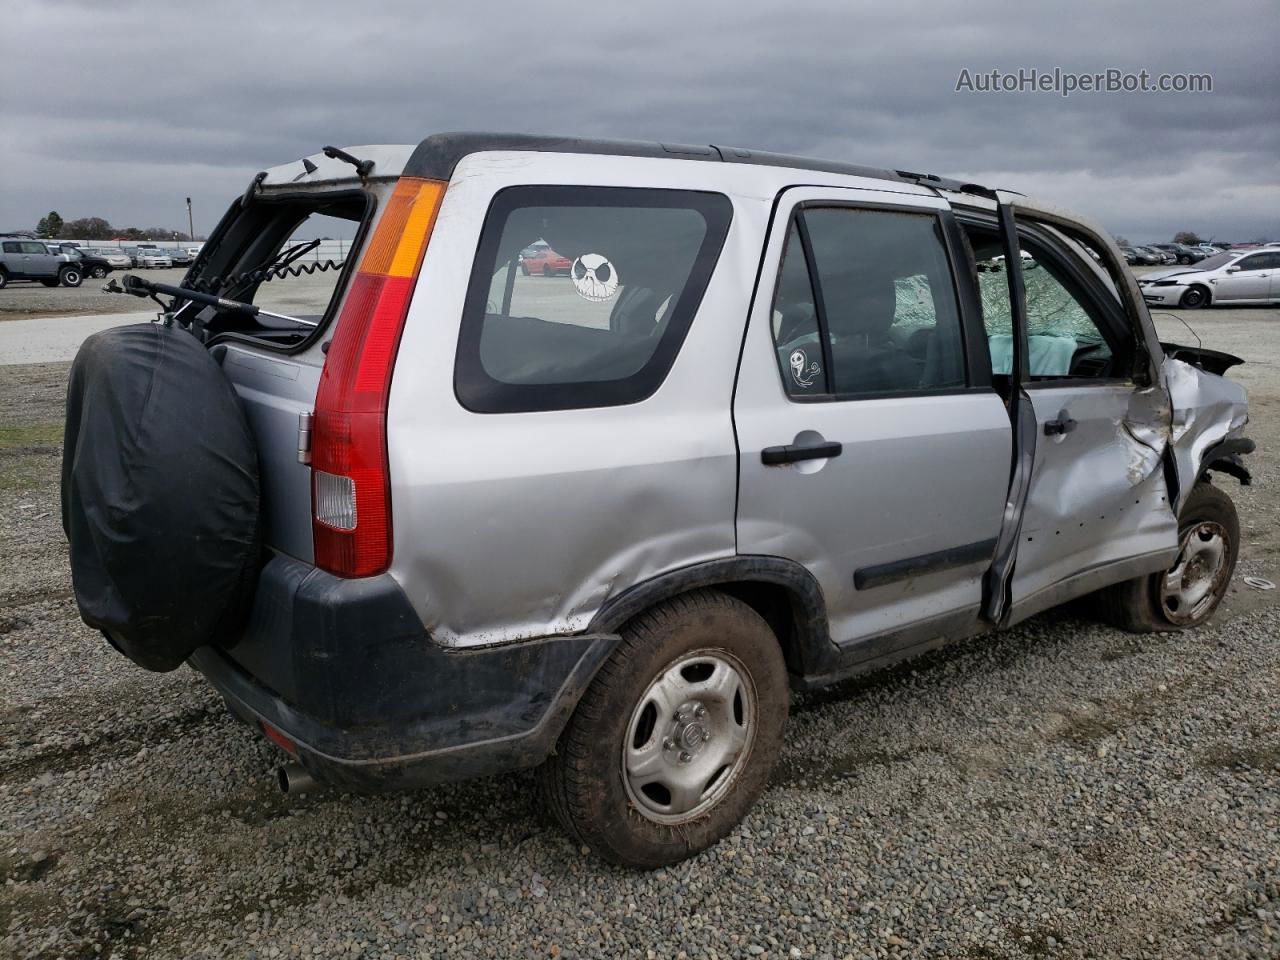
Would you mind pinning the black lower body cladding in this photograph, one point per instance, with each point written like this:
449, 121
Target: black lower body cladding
160, 496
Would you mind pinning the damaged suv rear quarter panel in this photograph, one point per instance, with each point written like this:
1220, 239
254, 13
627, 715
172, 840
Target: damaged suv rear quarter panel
617, 494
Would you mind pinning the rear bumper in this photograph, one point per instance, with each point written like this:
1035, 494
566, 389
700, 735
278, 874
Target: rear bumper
347, 671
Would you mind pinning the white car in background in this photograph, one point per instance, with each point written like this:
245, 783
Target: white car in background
1236, 277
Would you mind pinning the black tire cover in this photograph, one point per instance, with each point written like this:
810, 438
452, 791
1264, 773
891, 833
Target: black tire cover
160, 494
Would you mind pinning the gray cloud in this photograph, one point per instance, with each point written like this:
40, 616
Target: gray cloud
122, 110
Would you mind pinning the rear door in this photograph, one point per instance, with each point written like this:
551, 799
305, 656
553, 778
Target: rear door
873, 449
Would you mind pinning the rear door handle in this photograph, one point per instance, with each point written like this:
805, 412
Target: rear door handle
1062, 425
791, 453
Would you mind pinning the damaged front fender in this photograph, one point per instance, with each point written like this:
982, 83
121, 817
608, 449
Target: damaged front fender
1208, 410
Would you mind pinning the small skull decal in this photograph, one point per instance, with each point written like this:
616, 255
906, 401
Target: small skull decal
594, 277
802, 371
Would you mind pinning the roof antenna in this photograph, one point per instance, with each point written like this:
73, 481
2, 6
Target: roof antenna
363, 167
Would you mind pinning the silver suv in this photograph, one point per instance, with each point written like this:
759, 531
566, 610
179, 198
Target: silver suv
24, 259
784, 421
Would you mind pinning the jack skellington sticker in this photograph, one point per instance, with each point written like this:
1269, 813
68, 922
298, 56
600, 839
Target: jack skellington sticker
594, 277
802, 371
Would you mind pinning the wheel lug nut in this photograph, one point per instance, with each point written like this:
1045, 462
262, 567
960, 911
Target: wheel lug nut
706, 735
668, 743
699, 711
685, 757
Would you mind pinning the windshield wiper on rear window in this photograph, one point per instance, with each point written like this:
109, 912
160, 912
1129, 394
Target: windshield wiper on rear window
363, 167
140, 287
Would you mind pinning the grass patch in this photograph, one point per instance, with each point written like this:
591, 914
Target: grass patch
43, 434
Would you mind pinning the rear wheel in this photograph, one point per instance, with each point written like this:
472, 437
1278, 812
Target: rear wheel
1187, 594
1194, 298
547, 270
4, 278
524, 269
677, 735
70, 277
98, 273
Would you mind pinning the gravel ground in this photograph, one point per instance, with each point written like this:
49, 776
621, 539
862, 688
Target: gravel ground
1061, 790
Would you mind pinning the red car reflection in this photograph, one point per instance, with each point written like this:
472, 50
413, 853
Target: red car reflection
540, 258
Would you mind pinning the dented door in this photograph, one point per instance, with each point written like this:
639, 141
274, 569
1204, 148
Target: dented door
1097, 508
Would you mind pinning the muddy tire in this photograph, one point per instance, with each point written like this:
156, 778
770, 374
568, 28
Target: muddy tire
677, 735
1188, 594
1194, 298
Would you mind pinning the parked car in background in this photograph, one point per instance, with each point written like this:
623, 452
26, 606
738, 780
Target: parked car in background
1209, 249
1158, 256
179, 257
117, 258
1140, 256
91, 265
1181, 252
25, 259
151, 257
540, 258
1236, 277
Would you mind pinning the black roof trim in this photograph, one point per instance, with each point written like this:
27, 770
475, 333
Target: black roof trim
436, 157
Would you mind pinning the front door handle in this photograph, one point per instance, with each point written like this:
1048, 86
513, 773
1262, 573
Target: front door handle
792, 453
1063, 425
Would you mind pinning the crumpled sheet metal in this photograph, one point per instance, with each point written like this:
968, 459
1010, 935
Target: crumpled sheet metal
1207, 408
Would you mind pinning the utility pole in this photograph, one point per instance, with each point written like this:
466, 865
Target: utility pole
191, 225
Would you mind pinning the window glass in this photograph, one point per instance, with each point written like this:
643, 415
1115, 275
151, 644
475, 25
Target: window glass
1259, 261
581, 296
795, 324
34, 248
886, 296
1064, 336
11, 247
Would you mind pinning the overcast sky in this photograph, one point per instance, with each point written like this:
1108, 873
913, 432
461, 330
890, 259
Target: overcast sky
121, 109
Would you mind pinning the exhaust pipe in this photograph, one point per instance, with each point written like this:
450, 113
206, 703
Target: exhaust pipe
294, 779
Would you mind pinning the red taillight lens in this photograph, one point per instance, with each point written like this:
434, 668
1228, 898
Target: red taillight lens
351, 489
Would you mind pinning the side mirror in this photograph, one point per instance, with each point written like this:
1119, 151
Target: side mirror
1233, 269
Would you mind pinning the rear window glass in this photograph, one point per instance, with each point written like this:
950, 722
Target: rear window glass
581, 296
288, 257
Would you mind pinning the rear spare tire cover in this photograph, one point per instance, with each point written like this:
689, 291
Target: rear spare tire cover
160, 498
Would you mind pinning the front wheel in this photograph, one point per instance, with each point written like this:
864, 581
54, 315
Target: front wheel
70, 277
676, 737
1194, 298
4, 279
1188, 593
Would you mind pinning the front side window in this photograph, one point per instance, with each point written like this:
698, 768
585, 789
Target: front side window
865, 305
1065, 338
34, 248
581, 296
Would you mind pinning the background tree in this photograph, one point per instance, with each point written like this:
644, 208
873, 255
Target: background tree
90, 228
1186, 236
51, 226
1122, 241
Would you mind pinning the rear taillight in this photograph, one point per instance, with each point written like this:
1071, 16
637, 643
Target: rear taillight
351, 489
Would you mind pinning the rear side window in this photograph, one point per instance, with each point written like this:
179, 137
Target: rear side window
581, 296
866, 305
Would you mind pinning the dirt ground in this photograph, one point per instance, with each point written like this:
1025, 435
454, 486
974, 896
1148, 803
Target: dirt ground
1062, 789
